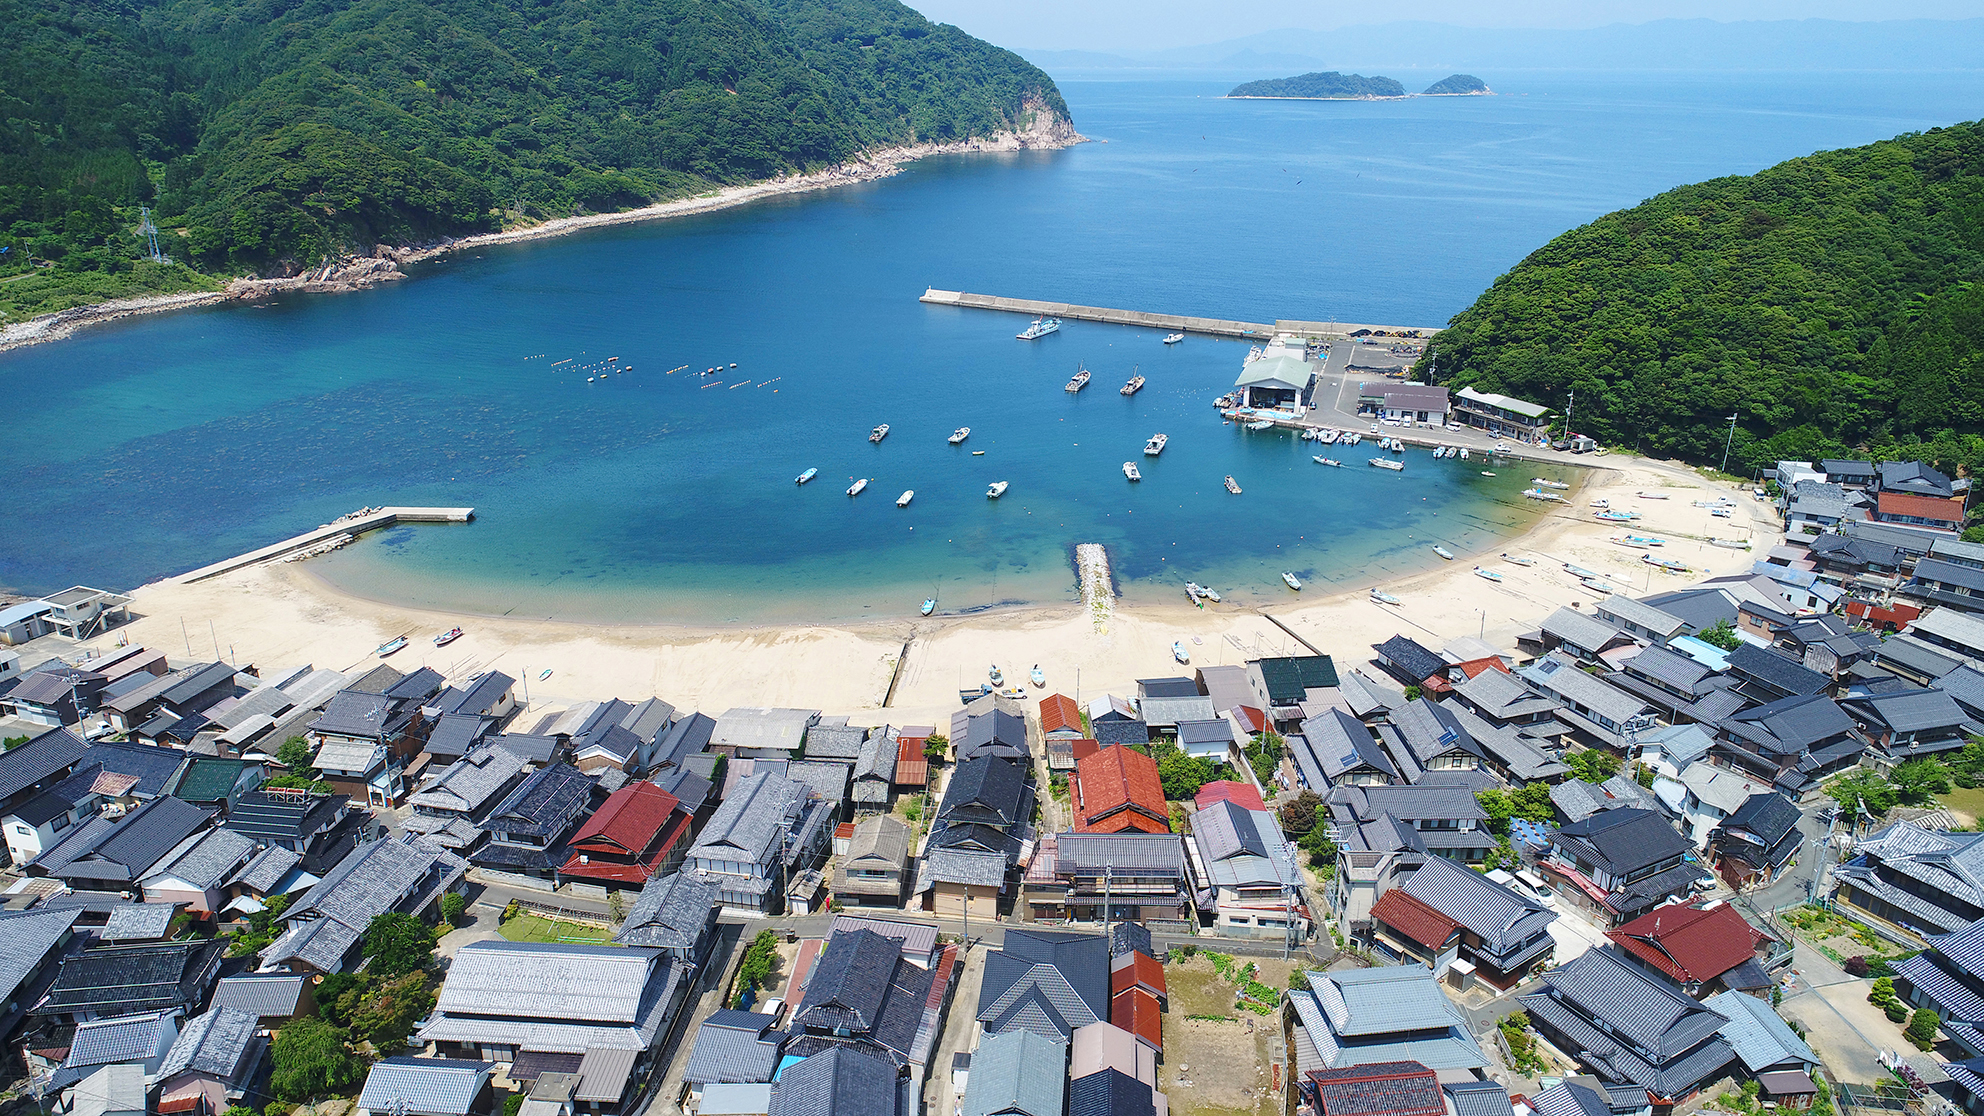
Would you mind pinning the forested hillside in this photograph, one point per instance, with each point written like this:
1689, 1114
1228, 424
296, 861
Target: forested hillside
268, 133
1834, 303
1328, 84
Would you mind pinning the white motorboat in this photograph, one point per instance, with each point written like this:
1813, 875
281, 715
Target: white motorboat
1179, 653
1383, 597
879, 433
1327, 461
998, 676
1327, 437
1491, 575
1261, 424
855, 488
1443, 552
1513, 560
996, 489
1156, 444
1541, 483
1079, 382
1388, 463
1041, 327
1232, 485
960, 434
1037, 677
1294, 582
1173, 338
1130, 471
806, 476
903, 500
1653, 495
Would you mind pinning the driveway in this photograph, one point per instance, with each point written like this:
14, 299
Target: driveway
1843, 1029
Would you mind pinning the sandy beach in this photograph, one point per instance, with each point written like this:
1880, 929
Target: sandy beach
278, 615
357, 273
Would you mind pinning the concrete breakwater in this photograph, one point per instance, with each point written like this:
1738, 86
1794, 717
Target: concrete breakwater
1181, 323
346, 526
1098, 588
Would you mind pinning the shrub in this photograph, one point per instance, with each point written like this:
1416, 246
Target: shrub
312, 1060
1856, 965
512, 1103
1896, 1012
1883, 992
1922, 1029
756, 966
454, 908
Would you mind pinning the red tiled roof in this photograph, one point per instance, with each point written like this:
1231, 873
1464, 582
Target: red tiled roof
1473, 667
1242, 795
628, 820
1414, 918
1085, 748
1059, 713
1250, 718
1688, 944
912, 770
1898, 614
1922, 507
1117, 789
1137, 970
1138, 1012
844, 830
1377, 1089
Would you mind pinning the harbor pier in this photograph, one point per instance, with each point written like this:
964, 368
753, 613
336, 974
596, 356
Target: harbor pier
1174, 323
354, 524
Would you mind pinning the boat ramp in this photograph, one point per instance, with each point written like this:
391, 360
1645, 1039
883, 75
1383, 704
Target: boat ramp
353, 524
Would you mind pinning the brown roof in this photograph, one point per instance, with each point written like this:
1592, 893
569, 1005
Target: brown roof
1922, 507
912, 770
1117, 790
1059, 713
1139, 1013
1414, 918
1688, 944
1137, 970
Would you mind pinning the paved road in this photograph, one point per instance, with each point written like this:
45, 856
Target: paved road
1843, 1029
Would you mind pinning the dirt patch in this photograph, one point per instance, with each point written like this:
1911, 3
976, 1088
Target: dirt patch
1217, 1065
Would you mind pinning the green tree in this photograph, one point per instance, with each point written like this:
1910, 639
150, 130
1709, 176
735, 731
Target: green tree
1920, 780
1922, 1028
454, 908
396, 944
387, 1014
1865, 788
1592, 765
513, 1104
296, 756
310, 1059
1720, 634
1531, 802
1182, 775
756, 967
936, 748
1882, 994
1967, 766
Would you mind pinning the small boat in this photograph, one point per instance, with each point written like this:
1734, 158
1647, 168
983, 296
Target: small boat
1491, 575
1596, 586
1463, 453
1130, 471
1510, 558
1156, 444
1383, 597
1036, 677
855, 488
1041, 327
447, 637
1294, 582
1668, 564
978, 453
998, 677
903, 500
1601, 503
996, 489
1011, 692
1195, 593
1443, 552
1388, 463
1079, 382
1135, 385
544, 674
1486, 473
391, 646
1327, 437
1173, 338
1614, 516
806, 476
1232, 485
929, 605
1541, 483
1730, 544
1179, 653
960, 434
1719, 513
879, 433
1331, 461
1539, 494
1647, 540
1628, 540
1653, 495
1261, 424
1582, 573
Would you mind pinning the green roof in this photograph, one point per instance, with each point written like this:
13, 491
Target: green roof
1287, 678
208, 779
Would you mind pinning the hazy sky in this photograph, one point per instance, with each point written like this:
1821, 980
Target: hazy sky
1155, 24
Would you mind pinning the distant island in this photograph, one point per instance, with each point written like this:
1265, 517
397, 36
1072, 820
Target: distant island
1458, 85
1332, 86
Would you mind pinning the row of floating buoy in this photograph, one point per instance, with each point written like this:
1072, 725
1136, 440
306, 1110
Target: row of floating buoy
611, 361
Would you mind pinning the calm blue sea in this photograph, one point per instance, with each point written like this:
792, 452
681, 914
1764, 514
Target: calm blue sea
149, 447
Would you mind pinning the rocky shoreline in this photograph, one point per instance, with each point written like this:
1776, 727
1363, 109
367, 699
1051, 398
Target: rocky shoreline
1046, 130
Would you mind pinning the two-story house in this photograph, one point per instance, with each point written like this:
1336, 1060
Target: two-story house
1619, 864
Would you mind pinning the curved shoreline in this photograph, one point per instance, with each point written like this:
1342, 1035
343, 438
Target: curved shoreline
360, 273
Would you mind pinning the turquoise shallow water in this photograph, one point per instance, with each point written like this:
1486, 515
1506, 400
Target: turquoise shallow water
160, 444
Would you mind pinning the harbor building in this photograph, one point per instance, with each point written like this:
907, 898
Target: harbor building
1503, 416
1420, 403
1277, 377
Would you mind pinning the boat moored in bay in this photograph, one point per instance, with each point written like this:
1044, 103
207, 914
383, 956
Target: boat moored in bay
1232, 485
806, 476
855, 488
1156, 444
1443, 552
903, 500
996, 490
1135, 385
1293, 582
1130, 471
960, 434
1173, 338
1079, 382
1041, 327
879, 433
1388, 463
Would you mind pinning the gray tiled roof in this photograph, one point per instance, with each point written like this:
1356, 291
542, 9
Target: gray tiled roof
271, 995
49, 754
1574, 627
138, 922
213, 1044
1910, 711
546, 804
1483, 1098
1616, 609
1557, 674
670, 912
374, 878
471, 781
582, 997
267, 869
1671, 667
849, 981
840, 1081
750, 819
835, 742
1761, 1039
1500, 917
26, 937
205, 860
130, 846
1671, 1044
1410, 658
1018, 1073
1624, 840
423, 1086
736, 1047
123, 1038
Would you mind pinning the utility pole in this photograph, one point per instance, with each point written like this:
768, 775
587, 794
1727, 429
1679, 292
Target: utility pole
1569, 407
1727, 442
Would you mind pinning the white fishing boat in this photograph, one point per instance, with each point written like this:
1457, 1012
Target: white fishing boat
1179, 653
1261, 424
1173, 338
1628, 540
1293, 582
929, 605
1079, 382
1541, 483
879, 433
390, 646
855, 488
1035, 676
960, 434
998, 676
1328, 437
1330, 461
1486, 473
1041, 327
1668, 564
1388, 463
1596, 586
996, 490
1383, 597
1135, 385
1196, 592
1463, 453
1443, 552
1352, 438
903, 500
447, 637
806, 476
1514, 560
1601, 503
1156, 444
1232, 485
1130, 471
1730, 544
1653, 495
1491, 575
